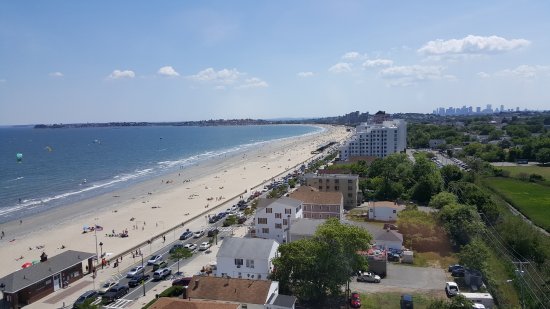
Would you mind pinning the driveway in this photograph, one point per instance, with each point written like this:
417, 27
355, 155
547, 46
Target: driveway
406, 279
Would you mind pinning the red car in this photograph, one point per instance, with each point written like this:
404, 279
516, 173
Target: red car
355, 300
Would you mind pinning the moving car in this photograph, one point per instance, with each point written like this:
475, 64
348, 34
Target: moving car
134, 271
451, 288
162, 273
187, 234
175, 247
137, 279
355, 300
213, 232
191, 247
105, 286
159, 265
204, 246
114, 293
368, 277
85, 297
154, 259
198, 234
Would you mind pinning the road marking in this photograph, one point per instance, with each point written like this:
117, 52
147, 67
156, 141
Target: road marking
119, 303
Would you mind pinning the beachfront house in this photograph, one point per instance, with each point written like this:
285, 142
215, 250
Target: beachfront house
37, 280
273, 215
250, 294
247, 258
318, 204
346, 184
389, 239
384, 211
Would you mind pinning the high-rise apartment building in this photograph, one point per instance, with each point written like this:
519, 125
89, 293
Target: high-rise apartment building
378, 140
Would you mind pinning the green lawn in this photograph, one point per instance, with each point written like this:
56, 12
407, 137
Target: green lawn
391, 300
515, 170
532, 199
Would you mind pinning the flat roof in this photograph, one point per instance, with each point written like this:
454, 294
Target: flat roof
311, 195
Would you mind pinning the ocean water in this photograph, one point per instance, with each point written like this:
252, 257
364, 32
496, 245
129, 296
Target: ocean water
61, 166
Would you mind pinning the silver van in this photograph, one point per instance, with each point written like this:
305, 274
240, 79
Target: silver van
162, 273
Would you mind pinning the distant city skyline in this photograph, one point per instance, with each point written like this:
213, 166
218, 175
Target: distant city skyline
75, 62
469, 110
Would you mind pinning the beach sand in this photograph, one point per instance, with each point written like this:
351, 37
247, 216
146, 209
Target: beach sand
157, 205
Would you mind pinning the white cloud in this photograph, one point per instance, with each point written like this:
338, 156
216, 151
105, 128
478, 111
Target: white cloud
353, 55
410, 75
524, 71
377, 63
340, 67
305, 74
472, 44
168, 71
56, 74
253, 82
3, 80
225, 76
118, 74
483, 75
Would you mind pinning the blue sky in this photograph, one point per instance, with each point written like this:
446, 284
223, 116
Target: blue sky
96, 61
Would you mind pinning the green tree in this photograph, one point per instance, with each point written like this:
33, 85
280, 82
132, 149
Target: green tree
474, 255
460, 221
457, 302
428, 180
543, 155
179, 254
450, 173
313, 269
443, 198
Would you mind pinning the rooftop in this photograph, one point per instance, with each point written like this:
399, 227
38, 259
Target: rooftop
332, 176
250, 248
282, 300
389, 235
229, 289
281, 202
178, 303
305, 226
387, 204
311, 195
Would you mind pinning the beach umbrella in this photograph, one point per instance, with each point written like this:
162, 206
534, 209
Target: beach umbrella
28, 264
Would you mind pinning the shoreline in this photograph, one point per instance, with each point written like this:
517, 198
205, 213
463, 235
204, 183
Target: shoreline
158, 205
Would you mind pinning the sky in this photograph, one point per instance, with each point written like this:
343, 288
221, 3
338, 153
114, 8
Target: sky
100, 61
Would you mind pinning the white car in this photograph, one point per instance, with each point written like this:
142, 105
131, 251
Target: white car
451, 288
105, 286
198, 234
204, 246
134, 271
154, 259
190, 247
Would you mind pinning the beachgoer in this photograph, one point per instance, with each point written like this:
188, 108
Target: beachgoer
163, 238
20, 222
2, 234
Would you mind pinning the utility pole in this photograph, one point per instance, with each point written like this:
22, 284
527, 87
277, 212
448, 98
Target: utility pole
143, 280
522, 301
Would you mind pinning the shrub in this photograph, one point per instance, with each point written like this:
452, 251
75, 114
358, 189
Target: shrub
535, 178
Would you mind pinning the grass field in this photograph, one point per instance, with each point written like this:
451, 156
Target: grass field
391, 300
516, 170
532, 199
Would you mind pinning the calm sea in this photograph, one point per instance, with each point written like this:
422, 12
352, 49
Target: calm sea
61, 166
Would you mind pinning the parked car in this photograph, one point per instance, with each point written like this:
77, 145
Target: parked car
84, 297
175, 247
114, 293
213, 232
134, 271
455, 266
368, 277
451, 288
393, 257
182, 282
241, 220
406, 301
204, 246
389, 226
154, 259
355, 300
458, 272
187, 234
191, 247
198, 234
162, 273
137, 279
105, 286
213, 219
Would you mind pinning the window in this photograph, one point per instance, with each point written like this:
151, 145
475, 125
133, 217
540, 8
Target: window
336, 188
278, 215
262, 220
250, 263
336, 180
394, 211
238, 262
349, 188
278, 226
268, 210
288, 211
349, 181
285, 221
350, 195
320, 180
265, 230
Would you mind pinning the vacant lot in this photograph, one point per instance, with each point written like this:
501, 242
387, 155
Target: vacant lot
532, 169
532, 199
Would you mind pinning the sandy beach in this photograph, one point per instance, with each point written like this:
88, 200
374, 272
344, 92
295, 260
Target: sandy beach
148, 209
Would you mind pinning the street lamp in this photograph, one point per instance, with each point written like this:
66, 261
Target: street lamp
142, 280
101, 248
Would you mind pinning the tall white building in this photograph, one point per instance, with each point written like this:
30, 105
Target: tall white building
273, 215
378, 140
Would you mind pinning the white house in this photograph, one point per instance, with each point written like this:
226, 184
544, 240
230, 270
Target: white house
389, 239
247, 258
272, 217
384, 211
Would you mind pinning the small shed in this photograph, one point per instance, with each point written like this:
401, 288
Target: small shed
384, 211
30, 284
389, 239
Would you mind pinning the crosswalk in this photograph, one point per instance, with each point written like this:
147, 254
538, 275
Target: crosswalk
119, 303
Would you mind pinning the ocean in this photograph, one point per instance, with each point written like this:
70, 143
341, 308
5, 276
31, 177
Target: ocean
45, 168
